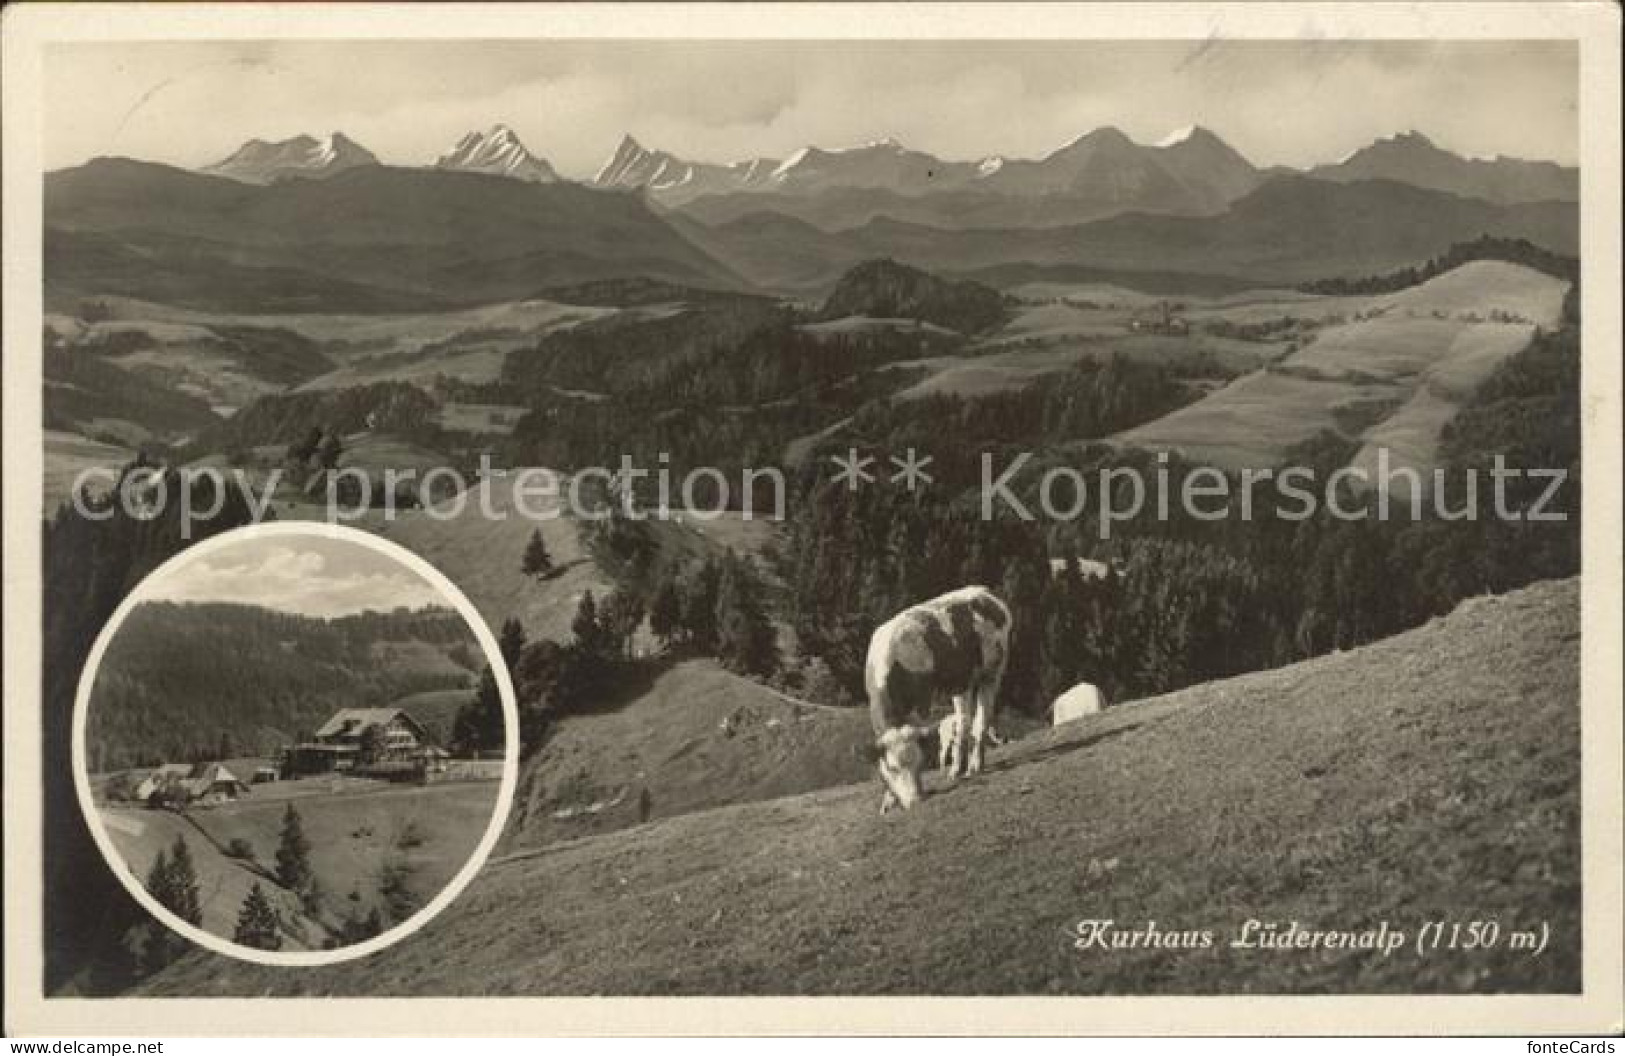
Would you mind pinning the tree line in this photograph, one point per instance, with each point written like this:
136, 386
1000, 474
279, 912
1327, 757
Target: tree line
182, 681
1485, 247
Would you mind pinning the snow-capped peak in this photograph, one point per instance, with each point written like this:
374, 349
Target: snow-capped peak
1177, 136
791, 162
259, 161
496, 152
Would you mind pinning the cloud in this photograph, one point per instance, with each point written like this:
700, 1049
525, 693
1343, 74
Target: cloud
1293, 102
313, 579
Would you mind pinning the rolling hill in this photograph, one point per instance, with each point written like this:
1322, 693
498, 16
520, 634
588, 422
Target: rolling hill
367, 239
1406, 779
483, 554
1289, 229
669, 741
1393, 375
356, 829
887, 290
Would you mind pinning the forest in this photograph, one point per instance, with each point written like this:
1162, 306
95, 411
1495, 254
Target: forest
193, 682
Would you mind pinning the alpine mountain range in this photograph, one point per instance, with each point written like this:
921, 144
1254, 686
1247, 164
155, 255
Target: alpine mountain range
345, 231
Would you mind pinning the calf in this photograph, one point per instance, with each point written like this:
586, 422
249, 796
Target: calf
955, 645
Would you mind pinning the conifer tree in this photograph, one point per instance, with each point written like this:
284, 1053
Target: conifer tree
293, 869
700, 605
744, 635
537, 561
623, 611
591, 635
183, 885
666, 610
259, 925
511, 642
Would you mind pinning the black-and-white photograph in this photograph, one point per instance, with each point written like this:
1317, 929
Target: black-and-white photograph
997, 517
291, 742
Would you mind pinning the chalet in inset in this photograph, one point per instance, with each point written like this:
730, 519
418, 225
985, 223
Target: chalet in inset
374, 741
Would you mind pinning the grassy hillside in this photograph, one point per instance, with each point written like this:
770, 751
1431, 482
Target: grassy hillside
483, 555
223, 882
588, 776
1434, 775
426, 834
1394, 373
67, 455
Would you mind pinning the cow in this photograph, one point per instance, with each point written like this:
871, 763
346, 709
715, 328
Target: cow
955, 645
948, 738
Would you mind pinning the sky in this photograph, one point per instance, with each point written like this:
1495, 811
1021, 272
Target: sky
308, 576
1296, 103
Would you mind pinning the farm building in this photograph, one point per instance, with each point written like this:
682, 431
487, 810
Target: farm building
183, 784
1087, 567
377, 741
212, 783
159, 778
1160, 320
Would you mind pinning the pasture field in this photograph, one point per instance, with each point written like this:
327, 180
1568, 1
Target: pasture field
477, 363
356, 828
729, 530
668, 740
69, 454
223, 882
1424, 352
195, 352
390, 332
1378, 784
866, 324
199, 370
483, 555
1255, 419
484, 419
985, 375
376, 452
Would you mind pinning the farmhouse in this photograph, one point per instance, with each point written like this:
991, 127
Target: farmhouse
187, 785
1161, 320
164, 775
212, 783
377, 741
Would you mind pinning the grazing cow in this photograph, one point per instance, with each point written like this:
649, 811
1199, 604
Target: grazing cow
948, 738
955, 645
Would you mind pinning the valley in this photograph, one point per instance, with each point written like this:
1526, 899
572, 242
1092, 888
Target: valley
696, 788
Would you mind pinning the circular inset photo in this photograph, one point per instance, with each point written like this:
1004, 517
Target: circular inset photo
295, 743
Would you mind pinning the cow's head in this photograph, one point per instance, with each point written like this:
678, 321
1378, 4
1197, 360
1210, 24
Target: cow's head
901, 756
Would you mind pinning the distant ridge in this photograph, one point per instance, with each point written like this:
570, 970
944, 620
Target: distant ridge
373, 238
302, 157
1411, 157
